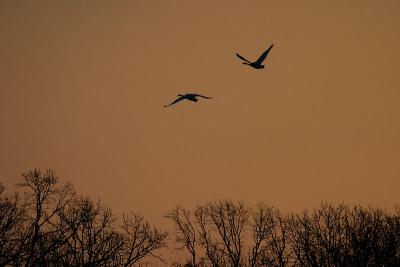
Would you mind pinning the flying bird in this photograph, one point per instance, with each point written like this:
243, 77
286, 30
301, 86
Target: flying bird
191, 97
256, 64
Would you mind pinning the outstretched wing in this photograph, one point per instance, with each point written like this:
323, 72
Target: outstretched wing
207, 97
264, 55
242, 58
176, 101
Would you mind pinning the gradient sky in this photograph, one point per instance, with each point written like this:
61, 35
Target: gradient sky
83, 84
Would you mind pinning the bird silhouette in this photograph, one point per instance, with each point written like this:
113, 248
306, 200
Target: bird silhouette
256, 64
191, 97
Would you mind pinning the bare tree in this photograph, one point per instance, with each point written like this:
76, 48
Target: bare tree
44, 200
270, 246
392, 238
222, 225
91, 239
261, 225
374, 238
321, 239
214, 250
186, 233
329, 229
341, 236
140, 239
301, 243
12, 218
277, 252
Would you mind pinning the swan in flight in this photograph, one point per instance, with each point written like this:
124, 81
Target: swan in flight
191, 97
256, 64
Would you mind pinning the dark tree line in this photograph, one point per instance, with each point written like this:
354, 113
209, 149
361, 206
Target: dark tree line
47, 224
50, 225
224, 233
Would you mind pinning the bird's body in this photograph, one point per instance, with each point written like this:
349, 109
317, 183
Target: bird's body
258, 63
190, 97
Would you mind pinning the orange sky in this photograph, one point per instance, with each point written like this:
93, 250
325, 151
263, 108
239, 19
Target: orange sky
83, 84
